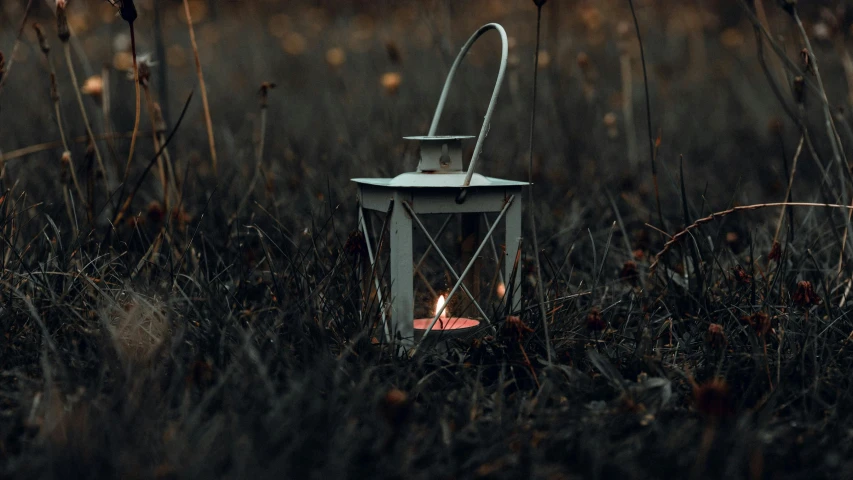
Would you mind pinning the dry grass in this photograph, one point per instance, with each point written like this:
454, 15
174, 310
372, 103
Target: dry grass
217, 327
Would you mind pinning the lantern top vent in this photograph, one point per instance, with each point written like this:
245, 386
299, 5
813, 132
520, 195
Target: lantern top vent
440, 154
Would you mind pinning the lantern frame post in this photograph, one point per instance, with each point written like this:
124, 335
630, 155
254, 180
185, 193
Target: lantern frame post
402, 272
512, 242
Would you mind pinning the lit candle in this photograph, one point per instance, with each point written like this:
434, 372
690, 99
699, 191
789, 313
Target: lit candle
445, 322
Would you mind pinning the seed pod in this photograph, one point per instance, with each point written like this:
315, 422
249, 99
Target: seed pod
54, 90
42, 38
62, 22
263, 93
127, 10
65, 165
789, 6
806, 58
393, 53
799, 89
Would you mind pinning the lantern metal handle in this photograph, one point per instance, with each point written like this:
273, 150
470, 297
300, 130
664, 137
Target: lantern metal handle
486, 121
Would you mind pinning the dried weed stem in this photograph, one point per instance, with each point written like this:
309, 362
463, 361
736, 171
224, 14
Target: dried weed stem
204, 102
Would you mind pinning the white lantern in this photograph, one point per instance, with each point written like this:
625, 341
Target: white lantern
441, 186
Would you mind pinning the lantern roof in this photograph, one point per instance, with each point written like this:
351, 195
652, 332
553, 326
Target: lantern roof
437, 180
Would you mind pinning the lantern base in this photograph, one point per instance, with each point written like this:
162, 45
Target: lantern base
446, 331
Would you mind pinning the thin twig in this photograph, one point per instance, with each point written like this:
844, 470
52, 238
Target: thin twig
678, 236
40, 147
126, 204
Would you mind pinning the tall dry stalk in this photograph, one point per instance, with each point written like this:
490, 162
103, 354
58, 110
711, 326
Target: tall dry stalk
530, 204
66, 162
259, 156
203, 88
5, 75
64, 36
790, 186
127, 11
627, 94
54, 96
652, 153
157, 128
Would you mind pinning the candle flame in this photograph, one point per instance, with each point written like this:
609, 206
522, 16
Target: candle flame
440, 303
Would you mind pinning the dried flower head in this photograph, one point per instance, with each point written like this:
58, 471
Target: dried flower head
393, 53
355, 245
144, 64
42, 39
741, 275
514, 327
391, 81
395, 406
93, 86
805, 296
716, 337
62, 30
713, 398
594, 320
775, 252
155, 212
583, 61
263, 93
629, 272
335, 57
760, 322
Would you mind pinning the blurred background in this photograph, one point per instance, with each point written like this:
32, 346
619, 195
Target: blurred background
352, 78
